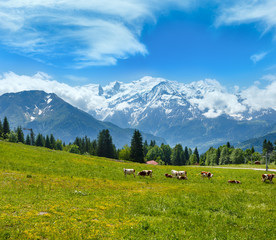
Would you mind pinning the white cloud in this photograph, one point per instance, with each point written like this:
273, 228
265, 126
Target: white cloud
269, 77
256, 98
245, 11
218, 102
92, 32
83, 97
258, 57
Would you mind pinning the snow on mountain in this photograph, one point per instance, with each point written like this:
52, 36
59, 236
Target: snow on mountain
189, 101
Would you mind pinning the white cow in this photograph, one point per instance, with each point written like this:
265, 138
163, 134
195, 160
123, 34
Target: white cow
174, 173
129, 172
182, 173
178, 173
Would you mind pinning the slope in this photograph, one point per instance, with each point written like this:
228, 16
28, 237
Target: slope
56, 195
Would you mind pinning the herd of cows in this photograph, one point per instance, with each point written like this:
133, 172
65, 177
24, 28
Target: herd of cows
182, 175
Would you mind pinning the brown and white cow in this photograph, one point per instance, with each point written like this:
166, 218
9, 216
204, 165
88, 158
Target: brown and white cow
129, 172
234, 181
268, 177
206, 174
145, 173
182, 178
168, 175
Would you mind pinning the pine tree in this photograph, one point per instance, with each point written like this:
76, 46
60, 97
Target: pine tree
28, 140
39, 140
6, 128
186, 155
196, 154
52, 142
47, 142
104, 144
136, 148
20, 134
228, 144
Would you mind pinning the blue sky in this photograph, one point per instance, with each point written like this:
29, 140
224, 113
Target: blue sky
82, 42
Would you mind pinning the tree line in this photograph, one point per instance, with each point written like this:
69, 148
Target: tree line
140, 151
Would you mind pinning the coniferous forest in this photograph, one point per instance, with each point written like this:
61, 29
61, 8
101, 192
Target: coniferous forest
142, 151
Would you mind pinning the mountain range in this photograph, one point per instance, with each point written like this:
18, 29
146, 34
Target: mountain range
200, 114
47, 113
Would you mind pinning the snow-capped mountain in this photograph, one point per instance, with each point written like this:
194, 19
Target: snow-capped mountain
196, 114
201, 113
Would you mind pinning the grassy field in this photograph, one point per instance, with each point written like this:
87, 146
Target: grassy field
49, 194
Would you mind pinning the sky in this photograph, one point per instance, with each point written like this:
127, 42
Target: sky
91, 41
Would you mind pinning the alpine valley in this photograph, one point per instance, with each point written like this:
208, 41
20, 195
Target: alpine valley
201, 114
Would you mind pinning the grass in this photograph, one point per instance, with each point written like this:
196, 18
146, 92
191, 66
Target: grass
49, 194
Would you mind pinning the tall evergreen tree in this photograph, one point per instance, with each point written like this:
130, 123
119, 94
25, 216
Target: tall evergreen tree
52, 142
39, 140
47, 142
28, 140
6, 128
104, 145
136, 148
228, 144
20, 134
196, 154
186, 155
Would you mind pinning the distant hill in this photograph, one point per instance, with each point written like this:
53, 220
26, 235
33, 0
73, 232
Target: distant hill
47, 113
258, 142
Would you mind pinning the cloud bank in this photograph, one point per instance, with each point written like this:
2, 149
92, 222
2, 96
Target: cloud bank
213, 102
91, 32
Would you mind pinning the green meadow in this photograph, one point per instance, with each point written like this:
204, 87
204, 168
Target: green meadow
46, 194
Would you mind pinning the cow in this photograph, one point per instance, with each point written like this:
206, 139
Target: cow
145, 173
168, 175
182, 173
182, 178
206, 174
129, 172
268, 177
234, 181
257, 162
174, 173
178, 173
